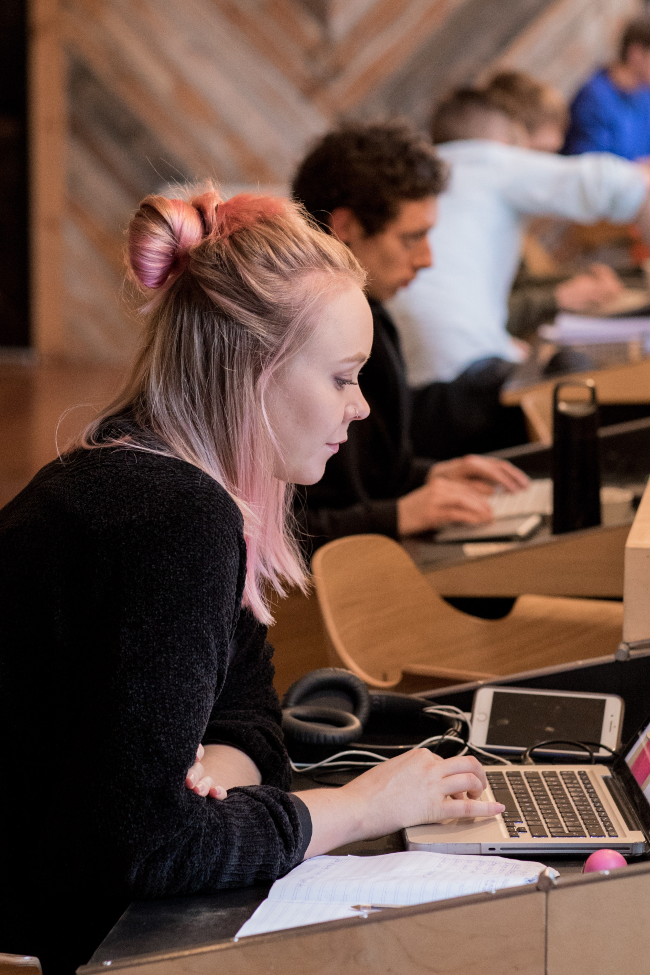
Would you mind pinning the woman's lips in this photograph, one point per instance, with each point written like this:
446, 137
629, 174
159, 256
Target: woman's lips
335, 445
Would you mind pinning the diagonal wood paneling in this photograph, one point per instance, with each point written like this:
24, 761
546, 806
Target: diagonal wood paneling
570, 38
165, 90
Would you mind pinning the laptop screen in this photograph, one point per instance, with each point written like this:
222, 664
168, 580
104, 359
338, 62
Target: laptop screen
638, 760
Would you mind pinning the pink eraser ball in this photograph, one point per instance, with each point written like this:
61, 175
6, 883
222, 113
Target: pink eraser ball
604, 860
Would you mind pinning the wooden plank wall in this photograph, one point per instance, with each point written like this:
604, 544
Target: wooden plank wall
164, 90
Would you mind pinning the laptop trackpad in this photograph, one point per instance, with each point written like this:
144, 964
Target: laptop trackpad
480, 830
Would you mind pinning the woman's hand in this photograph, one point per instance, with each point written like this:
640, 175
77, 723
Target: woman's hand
197, 780
414, 788
483, 473
440, 502
221, 763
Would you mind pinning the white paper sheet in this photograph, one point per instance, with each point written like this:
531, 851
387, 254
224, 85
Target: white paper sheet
572, 329
325, 888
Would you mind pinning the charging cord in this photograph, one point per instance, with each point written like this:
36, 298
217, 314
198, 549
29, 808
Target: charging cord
343, 759
591, 747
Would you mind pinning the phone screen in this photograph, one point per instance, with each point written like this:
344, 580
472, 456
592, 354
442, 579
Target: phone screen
522, 720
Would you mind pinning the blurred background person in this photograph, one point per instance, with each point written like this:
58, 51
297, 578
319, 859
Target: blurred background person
539, 108
611, 112
375, 188
452, 319
541, 289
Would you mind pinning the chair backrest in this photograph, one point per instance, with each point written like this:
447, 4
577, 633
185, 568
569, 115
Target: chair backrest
537, 409
10, 965
636, 579
379, 611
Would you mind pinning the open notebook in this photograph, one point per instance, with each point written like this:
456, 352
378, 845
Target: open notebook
326, 888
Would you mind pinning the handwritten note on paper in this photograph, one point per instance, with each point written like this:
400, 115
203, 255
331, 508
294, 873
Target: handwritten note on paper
325, 888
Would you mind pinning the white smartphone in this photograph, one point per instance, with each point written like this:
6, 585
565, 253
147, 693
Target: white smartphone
512, 719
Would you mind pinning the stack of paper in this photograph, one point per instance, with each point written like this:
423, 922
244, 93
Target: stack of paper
326, 888
572, 329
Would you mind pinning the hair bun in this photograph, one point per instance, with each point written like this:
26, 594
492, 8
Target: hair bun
223, 218
160, 236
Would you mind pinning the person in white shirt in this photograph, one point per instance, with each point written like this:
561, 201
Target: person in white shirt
452, 317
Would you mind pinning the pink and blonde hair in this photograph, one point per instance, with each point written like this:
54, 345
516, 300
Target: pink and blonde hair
233, 291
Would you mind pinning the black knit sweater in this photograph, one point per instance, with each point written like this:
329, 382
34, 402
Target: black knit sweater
124, 645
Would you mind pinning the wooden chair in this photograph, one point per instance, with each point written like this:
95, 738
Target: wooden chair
384, 622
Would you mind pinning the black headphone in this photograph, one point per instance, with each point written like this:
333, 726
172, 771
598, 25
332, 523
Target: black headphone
326, 707
330, 708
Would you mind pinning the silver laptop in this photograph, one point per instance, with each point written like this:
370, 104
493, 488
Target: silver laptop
556, 809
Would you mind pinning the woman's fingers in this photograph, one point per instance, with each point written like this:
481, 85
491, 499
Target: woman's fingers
203, 786
198, 782
194, 775
464, 764
461, 783
468, 808
218, 792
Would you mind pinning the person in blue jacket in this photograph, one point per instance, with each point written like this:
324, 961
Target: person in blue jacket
611, 112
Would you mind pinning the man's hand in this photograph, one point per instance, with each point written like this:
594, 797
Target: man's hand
482, 473
441, 502
589, 291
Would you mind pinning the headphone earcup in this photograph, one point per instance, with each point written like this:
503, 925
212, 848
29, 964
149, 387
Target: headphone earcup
328, 707
316, 687
310, 724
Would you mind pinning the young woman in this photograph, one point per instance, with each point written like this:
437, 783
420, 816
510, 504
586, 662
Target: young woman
140, 741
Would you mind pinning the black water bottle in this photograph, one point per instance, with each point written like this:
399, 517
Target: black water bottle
576, 461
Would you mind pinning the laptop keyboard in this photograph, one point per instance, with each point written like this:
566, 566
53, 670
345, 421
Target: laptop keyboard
561, 805
536, 499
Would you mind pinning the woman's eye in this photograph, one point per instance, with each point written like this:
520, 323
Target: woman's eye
340, 382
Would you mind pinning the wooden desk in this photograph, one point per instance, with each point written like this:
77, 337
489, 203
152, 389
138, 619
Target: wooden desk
586, 925
583, 563
563, 930
194, 934
624, 385
583, 926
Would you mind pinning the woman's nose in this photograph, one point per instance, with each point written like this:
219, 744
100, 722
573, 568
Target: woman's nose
360, 408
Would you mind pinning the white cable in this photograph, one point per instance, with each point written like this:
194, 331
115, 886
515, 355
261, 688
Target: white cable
443, 710
333, 760
305, 767
498, 758
451, 710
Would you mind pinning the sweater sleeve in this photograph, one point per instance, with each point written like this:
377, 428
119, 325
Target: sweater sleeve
171, 664
247, 713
